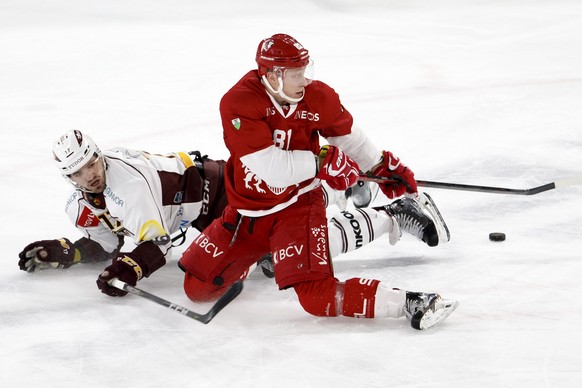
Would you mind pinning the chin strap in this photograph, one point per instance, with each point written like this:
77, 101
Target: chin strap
279, 91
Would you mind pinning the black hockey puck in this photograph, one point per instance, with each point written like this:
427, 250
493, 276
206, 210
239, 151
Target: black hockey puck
495, 236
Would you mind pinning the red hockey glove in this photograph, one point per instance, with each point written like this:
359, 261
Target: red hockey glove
57, 254
125, 267
392, 167
336, 168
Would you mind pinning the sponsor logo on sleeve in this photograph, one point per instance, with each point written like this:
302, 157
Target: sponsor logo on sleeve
71, 199
114, 197
87, 219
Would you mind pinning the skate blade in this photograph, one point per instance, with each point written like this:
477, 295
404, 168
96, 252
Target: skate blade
434, 316
428, 205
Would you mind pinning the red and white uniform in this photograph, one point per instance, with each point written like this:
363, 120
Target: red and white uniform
276, 204
273, 148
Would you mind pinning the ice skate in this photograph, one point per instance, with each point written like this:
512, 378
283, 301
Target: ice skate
428, 206
426, 310
420, 218
266, 265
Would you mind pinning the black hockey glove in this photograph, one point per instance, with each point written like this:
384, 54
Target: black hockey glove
144, 260
125, 267
56, 254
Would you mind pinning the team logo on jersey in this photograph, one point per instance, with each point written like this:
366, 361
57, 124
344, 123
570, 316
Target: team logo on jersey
114, 224
277, 190
252, 181
236, 123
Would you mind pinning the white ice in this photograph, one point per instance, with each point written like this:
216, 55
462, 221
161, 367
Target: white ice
478, 92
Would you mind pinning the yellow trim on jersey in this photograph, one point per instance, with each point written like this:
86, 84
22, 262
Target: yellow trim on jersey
186, 159
150, 230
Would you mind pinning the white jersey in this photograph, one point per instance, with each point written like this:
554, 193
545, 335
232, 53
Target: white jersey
147, 198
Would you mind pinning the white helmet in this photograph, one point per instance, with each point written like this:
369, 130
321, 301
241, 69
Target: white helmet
73, 150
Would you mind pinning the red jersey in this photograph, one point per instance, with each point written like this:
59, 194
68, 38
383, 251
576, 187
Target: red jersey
273, 148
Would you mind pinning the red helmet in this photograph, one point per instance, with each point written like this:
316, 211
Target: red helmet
280, 50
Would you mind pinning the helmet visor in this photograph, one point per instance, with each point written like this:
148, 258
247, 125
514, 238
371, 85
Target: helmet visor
298, 76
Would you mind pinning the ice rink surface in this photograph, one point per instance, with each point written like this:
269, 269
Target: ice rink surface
477, 92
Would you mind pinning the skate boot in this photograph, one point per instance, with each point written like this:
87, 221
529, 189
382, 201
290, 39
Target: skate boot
266, 265
420, 218
426, 310
362, 193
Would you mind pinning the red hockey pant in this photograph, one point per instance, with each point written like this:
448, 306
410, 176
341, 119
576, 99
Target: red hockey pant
297, 237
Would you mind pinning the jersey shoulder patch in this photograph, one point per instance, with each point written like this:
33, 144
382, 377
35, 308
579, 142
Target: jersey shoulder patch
87, 219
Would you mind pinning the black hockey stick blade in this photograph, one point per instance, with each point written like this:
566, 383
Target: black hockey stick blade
221, 303
477, 188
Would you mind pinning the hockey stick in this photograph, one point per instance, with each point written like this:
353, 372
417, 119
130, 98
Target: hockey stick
478, 188
221, 303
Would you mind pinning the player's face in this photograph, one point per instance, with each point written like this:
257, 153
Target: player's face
294, 82
91, 176
288, 85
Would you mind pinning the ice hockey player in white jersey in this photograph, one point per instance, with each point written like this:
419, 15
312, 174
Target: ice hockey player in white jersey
146, 197
122, 193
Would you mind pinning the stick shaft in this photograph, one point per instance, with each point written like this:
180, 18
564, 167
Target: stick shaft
228, 297
476, 188
487, 189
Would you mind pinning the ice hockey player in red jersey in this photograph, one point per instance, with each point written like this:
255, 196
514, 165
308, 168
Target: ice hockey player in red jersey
272, 120
122, 193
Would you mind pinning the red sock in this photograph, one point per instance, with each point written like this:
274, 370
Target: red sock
359, 297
